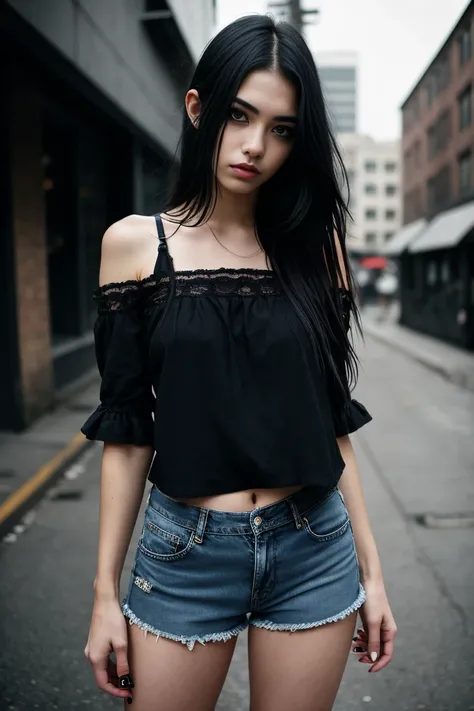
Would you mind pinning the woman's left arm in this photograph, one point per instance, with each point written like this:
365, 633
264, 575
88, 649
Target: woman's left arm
376, 615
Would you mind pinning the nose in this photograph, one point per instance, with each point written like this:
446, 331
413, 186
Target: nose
254, 145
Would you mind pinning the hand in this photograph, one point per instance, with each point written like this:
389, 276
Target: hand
379, 631
108, 633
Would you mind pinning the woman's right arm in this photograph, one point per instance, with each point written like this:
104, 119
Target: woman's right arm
123, 421
124, 471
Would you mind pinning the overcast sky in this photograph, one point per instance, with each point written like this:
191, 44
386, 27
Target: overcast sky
395, 40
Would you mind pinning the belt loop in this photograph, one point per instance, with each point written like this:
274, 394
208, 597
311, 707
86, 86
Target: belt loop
295, 512
201, 527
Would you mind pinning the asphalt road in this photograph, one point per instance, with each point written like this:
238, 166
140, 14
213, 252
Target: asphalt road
416, 458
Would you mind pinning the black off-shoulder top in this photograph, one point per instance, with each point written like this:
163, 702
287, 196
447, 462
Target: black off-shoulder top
220, 380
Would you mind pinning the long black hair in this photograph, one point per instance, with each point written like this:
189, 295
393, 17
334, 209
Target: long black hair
300, 214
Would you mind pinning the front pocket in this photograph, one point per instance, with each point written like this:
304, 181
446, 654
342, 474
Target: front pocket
328, 520
164, 539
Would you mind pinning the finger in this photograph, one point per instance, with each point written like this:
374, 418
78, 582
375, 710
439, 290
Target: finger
385, 657
374, 640
122, 659
102, 679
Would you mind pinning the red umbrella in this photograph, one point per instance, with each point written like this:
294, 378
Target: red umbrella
374, 262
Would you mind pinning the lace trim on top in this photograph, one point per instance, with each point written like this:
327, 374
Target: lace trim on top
119, 296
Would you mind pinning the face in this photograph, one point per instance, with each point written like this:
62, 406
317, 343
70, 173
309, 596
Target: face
259, 133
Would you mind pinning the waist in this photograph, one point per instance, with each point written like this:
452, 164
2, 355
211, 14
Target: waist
245, 500
290, 508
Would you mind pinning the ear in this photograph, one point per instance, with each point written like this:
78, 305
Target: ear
193, 106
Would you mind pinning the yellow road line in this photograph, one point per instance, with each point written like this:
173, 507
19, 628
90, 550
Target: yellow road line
18, 498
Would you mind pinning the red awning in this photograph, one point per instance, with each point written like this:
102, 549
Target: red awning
374, 262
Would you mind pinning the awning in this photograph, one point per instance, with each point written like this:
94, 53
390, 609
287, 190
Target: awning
373, 262
404, 237
446, 230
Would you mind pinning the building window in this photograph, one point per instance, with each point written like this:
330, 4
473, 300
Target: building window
390, 167
388, 235
465, 108
390, 189
370, 189
438, 134
370, 237
439, 190
370, 166
370, 214
465, 170
431, 136
417, 151
390, 214
465, 46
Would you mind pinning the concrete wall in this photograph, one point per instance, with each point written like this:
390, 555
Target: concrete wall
108, 43
195, 20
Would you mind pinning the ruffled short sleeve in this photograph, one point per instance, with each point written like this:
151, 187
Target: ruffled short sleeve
352, 415
124, 415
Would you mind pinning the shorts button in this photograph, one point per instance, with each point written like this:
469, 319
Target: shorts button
257, 520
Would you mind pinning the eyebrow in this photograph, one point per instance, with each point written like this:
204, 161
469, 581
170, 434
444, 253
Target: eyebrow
287, 119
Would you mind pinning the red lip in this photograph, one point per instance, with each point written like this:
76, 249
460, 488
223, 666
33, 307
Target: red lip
246, 166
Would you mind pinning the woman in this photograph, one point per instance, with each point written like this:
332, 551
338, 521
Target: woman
239, 329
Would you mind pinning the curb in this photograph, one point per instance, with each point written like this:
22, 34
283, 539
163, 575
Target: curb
458, 377
34, 488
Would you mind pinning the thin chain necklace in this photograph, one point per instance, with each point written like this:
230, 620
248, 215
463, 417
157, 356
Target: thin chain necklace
241, 256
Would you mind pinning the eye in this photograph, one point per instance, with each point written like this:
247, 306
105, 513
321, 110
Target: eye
237, 115
286, 132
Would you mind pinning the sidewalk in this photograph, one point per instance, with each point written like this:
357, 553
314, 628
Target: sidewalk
31, 461
452, 363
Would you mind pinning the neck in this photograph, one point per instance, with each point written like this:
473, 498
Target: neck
233, 210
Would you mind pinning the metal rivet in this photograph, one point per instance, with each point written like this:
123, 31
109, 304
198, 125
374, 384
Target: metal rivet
257, 520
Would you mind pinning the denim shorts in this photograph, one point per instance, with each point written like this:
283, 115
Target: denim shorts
203, 575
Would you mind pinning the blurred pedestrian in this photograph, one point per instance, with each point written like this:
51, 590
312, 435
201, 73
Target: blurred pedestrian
224, 364
386, 286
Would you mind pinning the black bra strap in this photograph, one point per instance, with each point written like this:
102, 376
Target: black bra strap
162, 264
160, 229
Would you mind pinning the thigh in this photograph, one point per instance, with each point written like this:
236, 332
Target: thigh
298, 670
170, 677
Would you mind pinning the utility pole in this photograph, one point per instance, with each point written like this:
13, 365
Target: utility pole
296, 15
292, 10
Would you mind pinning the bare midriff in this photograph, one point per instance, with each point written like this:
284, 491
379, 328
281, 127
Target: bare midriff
247, 500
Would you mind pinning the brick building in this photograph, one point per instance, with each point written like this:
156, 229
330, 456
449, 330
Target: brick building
438, 128
437, 285
91, 108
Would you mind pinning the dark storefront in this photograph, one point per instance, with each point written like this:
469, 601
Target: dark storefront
437, 290
71, 164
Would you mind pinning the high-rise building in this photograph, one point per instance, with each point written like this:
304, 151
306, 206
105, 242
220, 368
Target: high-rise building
338, 75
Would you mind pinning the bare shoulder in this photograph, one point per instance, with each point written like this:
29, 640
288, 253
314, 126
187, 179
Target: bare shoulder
127, 249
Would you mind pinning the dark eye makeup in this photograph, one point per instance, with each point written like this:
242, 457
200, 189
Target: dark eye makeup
282, 131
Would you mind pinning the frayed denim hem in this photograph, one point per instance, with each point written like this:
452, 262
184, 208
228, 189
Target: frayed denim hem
265, 624
188, 641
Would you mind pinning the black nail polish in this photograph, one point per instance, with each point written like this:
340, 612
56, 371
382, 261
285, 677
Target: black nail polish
359, 649
126, 682
355, 639
129, 700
